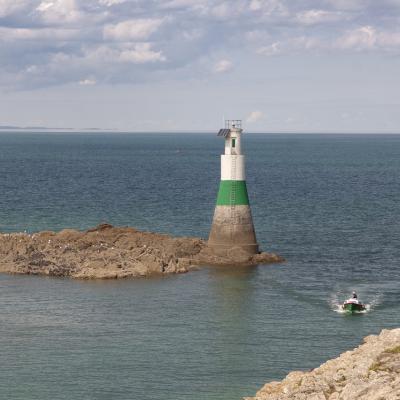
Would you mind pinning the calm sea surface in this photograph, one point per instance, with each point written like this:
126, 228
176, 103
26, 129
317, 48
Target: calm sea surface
329, 204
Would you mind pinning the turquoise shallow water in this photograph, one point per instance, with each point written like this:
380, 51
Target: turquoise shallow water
329, 204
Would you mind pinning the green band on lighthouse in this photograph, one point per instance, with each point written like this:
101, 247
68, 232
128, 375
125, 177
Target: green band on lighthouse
232, 193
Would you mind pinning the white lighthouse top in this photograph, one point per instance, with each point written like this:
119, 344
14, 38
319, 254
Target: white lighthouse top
232, 133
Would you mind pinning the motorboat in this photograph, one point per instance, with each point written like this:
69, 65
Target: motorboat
353, 305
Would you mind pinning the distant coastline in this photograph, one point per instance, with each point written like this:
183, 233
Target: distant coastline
41, 129
13, 128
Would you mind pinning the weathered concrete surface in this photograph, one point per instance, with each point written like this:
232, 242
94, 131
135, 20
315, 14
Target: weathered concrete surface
370, 372
109, 252
232, 227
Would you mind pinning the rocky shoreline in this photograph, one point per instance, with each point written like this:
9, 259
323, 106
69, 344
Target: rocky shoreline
369, 372
111, 252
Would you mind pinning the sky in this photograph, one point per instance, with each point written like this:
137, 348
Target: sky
176, 65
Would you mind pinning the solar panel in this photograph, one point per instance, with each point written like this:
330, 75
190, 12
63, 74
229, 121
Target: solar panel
224, 132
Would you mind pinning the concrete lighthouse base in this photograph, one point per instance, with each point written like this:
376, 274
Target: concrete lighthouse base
232, 229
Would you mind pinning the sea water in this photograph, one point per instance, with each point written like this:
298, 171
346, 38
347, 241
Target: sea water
328, 203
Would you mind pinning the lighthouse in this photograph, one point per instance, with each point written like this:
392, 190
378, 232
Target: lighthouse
232, 226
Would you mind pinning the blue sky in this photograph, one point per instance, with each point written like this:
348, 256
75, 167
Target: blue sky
146, 65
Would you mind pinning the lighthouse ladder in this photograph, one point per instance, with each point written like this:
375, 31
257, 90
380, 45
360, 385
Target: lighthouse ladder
233, 192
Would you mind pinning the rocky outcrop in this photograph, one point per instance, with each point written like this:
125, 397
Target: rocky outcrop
110, 252
370, 372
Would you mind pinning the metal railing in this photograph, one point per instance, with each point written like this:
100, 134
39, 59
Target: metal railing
233, 123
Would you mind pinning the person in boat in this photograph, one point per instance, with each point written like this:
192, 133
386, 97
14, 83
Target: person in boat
353, 299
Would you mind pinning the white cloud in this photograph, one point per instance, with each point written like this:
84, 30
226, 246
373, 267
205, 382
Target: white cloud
365, 38
44, 6
88, 32
32, 69
269, 7
110, 3
225, 10
87, 82
183, 3
360, 38
100, 54
14, 34
352, 5
9, 7
223, 66
59, 11
270, 50
307, 43
254, 116
389, 39
222, 10
140, 54
311, 17
291, 45
369, 38
193, 34
255, 5
134, 29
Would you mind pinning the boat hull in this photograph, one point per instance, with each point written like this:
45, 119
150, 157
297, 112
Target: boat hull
353, 307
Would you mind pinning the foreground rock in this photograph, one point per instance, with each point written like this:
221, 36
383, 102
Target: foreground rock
108, 252
370, 372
